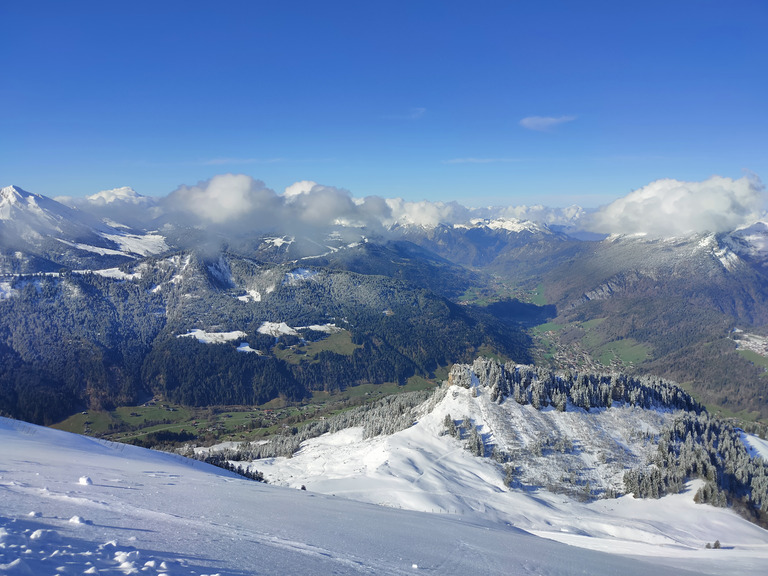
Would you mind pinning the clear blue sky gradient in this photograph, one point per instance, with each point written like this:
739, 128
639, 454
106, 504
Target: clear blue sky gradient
421, 100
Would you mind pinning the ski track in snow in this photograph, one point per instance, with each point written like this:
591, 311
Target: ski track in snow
420, 469
75, 505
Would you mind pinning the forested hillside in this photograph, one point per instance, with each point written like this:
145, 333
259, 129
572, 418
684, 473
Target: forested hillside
665, 306
74, 341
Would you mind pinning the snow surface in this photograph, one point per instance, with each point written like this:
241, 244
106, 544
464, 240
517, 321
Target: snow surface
145, 245
508, 224
755, 446
277, 242
246, 347
254, 295
6, 291
329, 328
213, 337
153, 513
94, 249
276, 329
298, 276
116, 274
723, 254
421, 469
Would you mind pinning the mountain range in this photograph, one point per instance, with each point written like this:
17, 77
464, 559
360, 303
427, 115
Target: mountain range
558, 414
96, 293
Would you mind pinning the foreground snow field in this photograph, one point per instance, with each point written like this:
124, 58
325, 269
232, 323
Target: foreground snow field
75, 505
422, 469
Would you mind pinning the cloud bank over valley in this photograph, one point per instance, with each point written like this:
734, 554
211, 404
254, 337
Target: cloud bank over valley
234, 204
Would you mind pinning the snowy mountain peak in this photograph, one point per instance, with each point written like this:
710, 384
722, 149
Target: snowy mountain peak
751, 241
12, 193
508, 224
14, 200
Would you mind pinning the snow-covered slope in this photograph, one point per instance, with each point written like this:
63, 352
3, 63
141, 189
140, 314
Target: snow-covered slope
751, 241
35, 227
75, 505
423, 469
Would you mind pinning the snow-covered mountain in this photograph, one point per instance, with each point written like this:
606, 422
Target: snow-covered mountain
38, 234
72, 504
555, 457
666, 300
751, 242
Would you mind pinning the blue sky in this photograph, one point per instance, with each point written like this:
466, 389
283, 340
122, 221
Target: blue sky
479, 102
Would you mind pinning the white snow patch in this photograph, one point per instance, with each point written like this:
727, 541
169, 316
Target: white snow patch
328, 328
213, 337
254, 295
298, 276
145, 245
117, 274
723, 254
277, 242
246, 347
6, 291
755, 446
276, 329
94, 249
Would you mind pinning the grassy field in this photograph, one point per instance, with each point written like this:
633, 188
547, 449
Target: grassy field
537, 296
339, 342
757, 360
545, 337
626, 351
547, 327
140, 424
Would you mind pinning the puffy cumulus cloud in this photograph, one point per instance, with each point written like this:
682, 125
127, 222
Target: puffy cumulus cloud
225, 199
672, 208
235, 204
297, 188
323, 205
567, 216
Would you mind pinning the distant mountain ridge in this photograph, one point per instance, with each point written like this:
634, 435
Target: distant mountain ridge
652, 305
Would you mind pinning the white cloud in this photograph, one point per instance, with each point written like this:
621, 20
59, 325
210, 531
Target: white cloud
301, 187
425, 213
544, 123
224, 198
671, 208
234, 204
